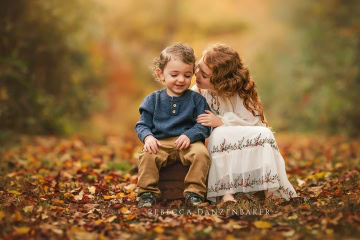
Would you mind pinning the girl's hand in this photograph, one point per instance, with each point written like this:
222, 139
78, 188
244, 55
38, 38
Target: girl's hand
182, 142
209, 119
151, 144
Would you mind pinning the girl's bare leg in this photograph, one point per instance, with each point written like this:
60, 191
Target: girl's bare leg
228, 197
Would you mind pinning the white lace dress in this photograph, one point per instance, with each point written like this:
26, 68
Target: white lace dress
244, 154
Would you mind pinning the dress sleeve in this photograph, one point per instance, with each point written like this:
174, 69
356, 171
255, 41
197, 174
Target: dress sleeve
240, 116
195, 89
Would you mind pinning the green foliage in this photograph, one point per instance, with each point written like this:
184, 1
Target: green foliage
46, 80
320, 74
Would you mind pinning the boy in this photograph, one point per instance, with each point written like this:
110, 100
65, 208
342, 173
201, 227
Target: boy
169, 130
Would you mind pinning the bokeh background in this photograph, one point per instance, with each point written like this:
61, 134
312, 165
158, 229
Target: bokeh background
82, 66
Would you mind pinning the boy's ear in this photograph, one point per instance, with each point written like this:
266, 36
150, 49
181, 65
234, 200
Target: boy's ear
160, 74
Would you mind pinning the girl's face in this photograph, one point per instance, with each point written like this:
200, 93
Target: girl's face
203, 74
176, 76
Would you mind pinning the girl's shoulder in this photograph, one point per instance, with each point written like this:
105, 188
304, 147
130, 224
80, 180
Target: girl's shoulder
203, 92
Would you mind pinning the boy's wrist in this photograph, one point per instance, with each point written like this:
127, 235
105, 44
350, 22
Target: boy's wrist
148, 137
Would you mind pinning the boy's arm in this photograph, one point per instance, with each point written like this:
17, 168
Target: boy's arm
144, 125
198, 132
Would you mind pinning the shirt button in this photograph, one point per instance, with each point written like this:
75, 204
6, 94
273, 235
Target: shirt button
174, 105
173, 111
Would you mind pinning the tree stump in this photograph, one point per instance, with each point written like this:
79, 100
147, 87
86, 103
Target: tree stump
171, 181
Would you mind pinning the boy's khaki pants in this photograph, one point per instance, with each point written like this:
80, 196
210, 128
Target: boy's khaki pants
196, 155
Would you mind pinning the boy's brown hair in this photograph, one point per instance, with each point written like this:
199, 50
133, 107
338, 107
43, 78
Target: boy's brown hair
181, 51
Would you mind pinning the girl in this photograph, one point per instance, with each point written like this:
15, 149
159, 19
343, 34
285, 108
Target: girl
244, 154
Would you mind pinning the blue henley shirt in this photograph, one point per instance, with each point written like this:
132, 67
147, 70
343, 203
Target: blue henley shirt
165, 116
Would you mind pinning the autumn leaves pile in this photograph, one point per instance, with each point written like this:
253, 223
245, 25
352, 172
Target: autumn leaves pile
73, 189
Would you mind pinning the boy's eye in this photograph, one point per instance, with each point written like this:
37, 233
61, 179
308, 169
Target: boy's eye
173, 75
204, 76
188, 76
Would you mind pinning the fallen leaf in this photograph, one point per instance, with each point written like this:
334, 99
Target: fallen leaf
125, 211
80, 196
92, 189
106, 197
28, 209
21, 230
262, 224
159, 229
110, 219
14, 192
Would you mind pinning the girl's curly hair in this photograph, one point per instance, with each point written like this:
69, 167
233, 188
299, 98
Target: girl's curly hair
230, 76
178, 50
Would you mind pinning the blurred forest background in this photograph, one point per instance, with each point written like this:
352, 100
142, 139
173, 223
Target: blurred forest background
81, 67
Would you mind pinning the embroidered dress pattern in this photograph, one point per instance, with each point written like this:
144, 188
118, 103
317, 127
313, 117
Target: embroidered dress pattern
257, 141
249, 182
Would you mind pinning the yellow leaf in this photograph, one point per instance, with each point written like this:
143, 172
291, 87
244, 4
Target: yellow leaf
109, 197
158, 229
262, 224
320, 175
21, 230
28, 209
14, 192
110, 219
2, 215
11, 174
102, 237
230, 237
98, 222
18, 216
92, 189
125, 211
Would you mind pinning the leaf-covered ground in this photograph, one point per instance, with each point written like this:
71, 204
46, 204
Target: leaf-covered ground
53, 188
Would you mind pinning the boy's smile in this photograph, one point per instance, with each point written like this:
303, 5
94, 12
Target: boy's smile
176, 76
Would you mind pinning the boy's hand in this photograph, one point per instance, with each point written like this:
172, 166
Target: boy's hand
151, 144
182, 142
209, 119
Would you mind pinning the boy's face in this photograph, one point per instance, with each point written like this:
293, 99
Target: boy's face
176, 76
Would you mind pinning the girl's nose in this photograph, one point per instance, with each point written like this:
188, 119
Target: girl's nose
196, 72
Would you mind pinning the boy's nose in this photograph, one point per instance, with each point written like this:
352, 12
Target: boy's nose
181, 79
